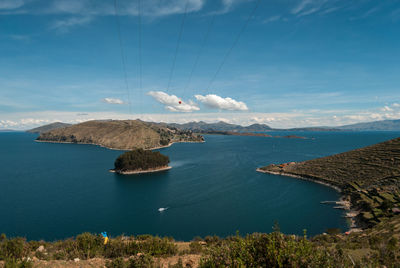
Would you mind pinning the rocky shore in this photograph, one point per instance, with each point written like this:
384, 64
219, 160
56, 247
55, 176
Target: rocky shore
140, 171
368, 179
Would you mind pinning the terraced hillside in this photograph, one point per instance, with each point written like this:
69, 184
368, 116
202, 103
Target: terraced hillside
124, 134
369, 177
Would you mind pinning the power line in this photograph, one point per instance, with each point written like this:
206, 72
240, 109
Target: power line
177, 45
140, 54
200, 52
122, 56
233, 46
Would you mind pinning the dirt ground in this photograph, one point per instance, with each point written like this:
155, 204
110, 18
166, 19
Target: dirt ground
189, 260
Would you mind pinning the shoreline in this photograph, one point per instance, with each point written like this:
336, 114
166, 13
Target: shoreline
118, 149
350, 213
132, 172
338, 189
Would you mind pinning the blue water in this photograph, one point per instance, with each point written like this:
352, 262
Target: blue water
53, 191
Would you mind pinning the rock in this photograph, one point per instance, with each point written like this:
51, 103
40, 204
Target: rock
40, 249
76, 260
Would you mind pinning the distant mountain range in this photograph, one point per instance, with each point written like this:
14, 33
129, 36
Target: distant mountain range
385, 125
220, 126
203, 127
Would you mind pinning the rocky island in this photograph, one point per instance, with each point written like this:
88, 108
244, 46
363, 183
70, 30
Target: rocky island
369, 179
120, 134
140, 161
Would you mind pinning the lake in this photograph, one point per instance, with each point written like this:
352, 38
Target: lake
53, 191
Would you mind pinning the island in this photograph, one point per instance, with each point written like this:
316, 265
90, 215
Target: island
140, 161
120, 134
368, 178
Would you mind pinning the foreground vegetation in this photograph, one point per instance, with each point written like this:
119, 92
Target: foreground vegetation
376, 247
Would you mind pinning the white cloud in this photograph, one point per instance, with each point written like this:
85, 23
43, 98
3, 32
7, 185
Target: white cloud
217, 102
301, 6
386, 109
307, 7
11, 4
396, 105
171, 102
149, 8
272, 19
306, 118
113, 101
64, 25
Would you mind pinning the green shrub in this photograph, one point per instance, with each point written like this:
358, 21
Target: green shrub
13, 263
156, 246
117, 263
195, 247
270, 250
212, 239
12, 248
89, 245
143, 237
142, 261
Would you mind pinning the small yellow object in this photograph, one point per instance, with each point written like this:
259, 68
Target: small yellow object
105, 240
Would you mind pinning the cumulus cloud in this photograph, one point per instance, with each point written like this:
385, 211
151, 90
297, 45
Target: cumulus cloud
171, 102
217, 102
113, 101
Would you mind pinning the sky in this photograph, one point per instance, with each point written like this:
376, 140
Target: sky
284, 63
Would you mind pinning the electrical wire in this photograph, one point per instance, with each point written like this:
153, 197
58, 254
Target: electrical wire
122, 56
236, 40
177, 45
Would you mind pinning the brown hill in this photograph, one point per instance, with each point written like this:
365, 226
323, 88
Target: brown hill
369, 177
116, 134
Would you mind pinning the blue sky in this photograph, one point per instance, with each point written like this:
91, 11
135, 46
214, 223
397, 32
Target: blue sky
296, 63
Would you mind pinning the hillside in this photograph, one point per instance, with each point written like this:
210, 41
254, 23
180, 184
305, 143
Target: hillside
124, 134
369, 177
48, 127
384, 125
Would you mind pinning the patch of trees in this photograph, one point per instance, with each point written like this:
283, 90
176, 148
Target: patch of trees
140, 159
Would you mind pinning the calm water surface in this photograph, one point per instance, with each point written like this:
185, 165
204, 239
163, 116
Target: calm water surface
53, 191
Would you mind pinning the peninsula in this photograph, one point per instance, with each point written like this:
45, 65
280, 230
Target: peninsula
140, 161
120, 134
369, 179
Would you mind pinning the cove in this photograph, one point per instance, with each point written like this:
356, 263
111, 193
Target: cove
53, 191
